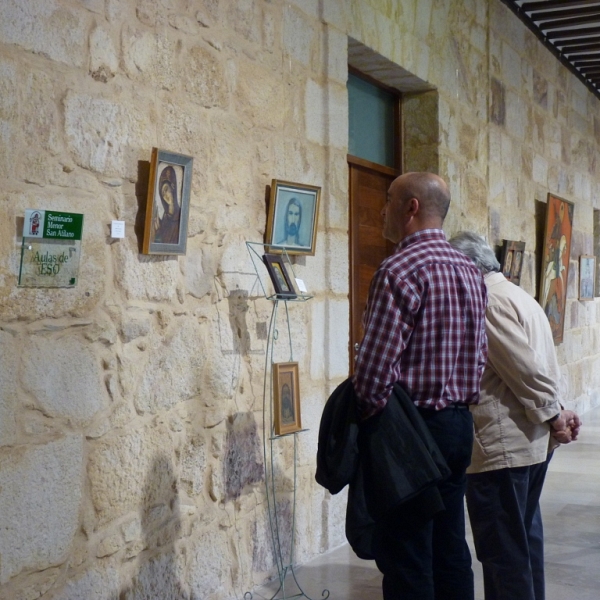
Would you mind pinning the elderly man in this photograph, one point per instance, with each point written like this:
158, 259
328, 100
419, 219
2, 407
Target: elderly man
518, 410
425, 328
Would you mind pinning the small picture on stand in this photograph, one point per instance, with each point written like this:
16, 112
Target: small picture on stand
512, 260
279, 276
587, 273
286, 398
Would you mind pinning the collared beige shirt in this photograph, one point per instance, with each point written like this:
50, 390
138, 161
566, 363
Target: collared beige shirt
519, 388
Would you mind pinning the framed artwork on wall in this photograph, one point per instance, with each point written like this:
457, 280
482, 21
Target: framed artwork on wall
587, 277
168, 203
279, 275
512, 260
292, 217
286, 398
555, 263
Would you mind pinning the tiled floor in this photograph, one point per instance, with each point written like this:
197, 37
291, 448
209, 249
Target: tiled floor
571, 512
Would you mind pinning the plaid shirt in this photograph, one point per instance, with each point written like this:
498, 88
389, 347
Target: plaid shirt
424, 327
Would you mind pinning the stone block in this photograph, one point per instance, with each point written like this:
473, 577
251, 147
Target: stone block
173, 370
243, 17
193, 466
540, 170
103, 133
326, 111
318, 340
160, 577
45, 27
205, 78
8, 389
210, 565
242, 462
337, 336
335, 49
32, 587
151, 278
252, 100
104, 60
131, 472
97, 583
298, 35
139, 51
63, 375
110, 545
40, 493
136, 323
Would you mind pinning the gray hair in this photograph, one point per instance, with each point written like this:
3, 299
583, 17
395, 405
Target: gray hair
477, 249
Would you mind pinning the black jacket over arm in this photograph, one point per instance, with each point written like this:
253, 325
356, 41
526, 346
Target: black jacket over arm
387, 459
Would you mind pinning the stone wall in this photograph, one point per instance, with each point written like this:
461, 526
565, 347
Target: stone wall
131, 452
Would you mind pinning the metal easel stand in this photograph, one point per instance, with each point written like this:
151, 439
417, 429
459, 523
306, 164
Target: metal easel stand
285, 568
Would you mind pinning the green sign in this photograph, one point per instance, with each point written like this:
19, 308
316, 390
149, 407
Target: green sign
51, 249
48, 224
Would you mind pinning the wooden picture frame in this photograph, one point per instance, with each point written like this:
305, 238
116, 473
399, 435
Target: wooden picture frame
168, 203
555, 263
286, 398
512, 260
284, 288
292, 217
587, 277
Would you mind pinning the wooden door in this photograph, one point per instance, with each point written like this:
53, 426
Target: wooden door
369, 183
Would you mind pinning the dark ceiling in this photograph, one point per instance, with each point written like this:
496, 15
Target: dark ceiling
571, 31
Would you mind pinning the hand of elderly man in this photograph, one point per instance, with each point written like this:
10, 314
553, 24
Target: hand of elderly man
565, 429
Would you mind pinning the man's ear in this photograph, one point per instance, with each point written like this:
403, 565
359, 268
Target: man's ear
413, 207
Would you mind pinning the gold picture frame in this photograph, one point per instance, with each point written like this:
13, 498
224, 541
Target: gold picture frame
286, 398
168, 203
292, 217
280, 278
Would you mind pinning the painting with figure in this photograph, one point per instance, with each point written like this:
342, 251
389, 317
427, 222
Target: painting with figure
286, 398
555, 263
512, 260
292, 218
168, 202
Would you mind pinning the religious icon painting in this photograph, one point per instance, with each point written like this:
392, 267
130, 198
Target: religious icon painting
512, 260
282, 282
292, 217
168, 203
555, 263
286, 398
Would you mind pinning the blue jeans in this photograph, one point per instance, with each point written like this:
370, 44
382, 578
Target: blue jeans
430, 559
507, 529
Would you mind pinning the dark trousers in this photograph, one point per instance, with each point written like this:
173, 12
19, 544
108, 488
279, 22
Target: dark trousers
430, 559
506, 520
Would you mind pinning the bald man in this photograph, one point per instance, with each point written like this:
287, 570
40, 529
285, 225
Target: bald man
425, 329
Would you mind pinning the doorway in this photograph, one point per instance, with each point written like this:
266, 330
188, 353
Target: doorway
373, 163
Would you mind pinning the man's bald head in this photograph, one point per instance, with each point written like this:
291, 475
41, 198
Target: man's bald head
416, 201
429, 189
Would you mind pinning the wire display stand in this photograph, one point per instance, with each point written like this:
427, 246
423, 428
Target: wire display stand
289, 586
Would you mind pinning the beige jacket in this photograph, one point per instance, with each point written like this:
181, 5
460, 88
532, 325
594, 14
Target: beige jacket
519, 387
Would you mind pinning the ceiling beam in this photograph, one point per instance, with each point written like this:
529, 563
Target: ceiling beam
562, 23
576, 33
546, 4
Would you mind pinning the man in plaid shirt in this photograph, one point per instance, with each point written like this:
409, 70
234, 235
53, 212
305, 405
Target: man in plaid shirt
425, 328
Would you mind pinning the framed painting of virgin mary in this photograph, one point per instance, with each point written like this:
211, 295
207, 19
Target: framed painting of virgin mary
168, 203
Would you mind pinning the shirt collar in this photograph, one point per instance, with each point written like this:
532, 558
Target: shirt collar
422, 236
493, 277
